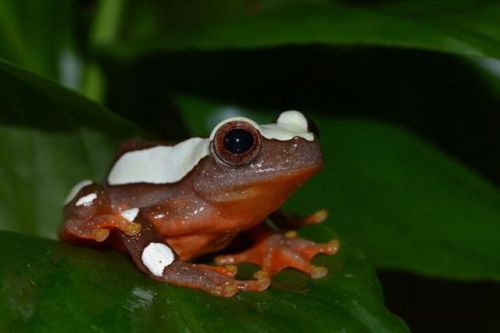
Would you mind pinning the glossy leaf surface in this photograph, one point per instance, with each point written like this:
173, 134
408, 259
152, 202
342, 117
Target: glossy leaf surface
47, 287
40, 36
50, 138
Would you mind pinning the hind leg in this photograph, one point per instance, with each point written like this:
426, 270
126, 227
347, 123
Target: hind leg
155, 257
273, 251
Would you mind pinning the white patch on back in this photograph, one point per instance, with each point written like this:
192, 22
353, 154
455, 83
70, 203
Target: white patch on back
130, 214
157, 256
290, 124
293, 120
86, 200
74, 191
160, 164
169, 164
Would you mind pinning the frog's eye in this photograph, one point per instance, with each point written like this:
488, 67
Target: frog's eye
237, 142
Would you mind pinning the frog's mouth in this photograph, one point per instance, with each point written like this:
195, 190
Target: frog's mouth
282, 173
271, 187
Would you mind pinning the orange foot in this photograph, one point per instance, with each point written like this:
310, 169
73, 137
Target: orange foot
275, 251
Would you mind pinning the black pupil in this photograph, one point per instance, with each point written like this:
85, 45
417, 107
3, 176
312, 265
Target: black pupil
238, 141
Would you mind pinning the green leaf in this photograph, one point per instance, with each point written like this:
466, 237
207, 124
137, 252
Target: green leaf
490, 71
463, 27
408, 205
50, 138
39, 35
53, 287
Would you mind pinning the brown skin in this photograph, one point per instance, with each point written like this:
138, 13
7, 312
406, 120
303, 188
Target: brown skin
205, 211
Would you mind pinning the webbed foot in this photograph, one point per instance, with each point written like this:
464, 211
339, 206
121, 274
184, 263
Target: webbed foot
275, 251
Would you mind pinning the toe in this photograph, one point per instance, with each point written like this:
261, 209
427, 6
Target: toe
317, 217
227, 270
227, 259
331, 247
100, 235
130, 228
227, 289
262, 282
317, 272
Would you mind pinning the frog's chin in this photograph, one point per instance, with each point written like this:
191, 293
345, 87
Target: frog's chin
302, 173
272, 188
294, 176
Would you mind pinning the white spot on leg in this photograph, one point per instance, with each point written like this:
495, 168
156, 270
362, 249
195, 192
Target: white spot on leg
130, 214
86, 200
74, 191
157, 256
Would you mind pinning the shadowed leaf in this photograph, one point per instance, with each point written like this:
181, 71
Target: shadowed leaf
464, 27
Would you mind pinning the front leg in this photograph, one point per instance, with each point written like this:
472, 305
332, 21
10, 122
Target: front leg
89, 215
156, 258
273, 251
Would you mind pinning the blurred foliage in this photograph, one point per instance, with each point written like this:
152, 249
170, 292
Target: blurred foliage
40, 35
406, 95
50, 138
465, 27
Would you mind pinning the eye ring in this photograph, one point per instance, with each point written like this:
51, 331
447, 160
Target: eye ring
237, 143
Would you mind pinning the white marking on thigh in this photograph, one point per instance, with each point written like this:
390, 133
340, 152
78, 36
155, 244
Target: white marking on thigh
157, 256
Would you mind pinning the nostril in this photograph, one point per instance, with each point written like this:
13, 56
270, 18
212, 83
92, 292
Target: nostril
312, 127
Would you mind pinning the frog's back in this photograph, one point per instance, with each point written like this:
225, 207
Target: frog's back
157, 164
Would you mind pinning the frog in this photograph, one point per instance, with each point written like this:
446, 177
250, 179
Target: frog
167, 205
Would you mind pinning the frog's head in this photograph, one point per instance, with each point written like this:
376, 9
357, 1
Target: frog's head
269, 161
241, 162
